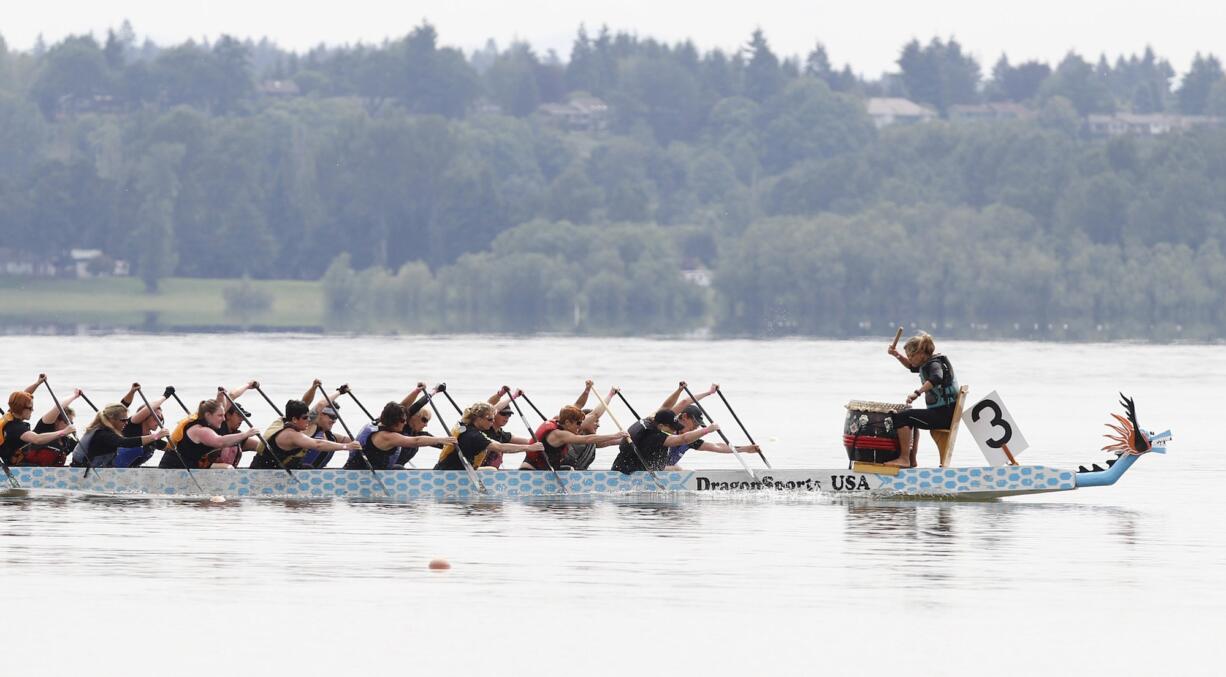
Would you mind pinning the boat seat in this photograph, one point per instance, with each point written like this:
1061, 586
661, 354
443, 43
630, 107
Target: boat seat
874, 468
945, 439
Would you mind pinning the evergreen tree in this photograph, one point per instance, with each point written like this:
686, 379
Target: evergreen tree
1199, 80
763, 76
1017, 83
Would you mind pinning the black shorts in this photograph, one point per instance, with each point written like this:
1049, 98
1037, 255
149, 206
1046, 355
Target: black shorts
925, 419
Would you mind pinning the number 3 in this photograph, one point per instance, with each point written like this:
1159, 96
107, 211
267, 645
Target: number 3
996, 422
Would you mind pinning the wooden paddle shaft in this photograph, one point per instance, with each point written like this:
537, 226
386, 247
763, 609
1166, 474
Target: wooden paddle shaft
897, 335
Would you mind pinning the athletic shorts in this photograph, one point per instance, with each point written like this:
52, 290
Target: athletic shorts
925, 419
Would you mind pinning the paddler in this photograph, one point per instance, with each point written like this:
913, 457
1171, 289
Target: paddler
555, 435
232, 454
419, 418
473, 443
383, 446
288, 442
939, 387
15, 432
103, 438
581, 456
689, 418
203, 439
651, 438
322, 421
55, 453
501, 402
143, 422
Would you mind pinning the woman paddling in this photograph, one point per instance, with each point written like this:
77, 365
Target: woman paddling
288, 443
383, 447
55, 453
472, 442
939, 387
142, 422
202, 441
651, 439
419, 419
555, 435
15, 432
103, 438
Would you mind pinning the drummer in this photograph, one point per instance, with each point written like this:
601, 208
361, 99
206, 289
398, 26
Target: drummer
939, 387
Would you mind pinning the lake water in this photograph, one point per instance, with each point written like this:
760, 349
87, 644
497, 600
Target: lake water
1129, 579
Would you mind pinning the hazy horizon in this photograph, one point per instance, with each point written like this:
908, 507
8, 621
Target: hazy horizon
868, 36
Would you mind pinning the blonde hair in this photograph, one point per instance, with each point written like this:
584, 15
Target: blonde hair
107, 416
920, 343
478, 410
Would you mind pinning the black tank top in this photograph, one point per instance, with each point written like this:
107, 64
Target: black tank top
379, 459
192, 452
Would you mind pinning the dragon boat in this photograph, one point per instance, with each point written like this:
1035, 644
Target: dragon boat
1129, 442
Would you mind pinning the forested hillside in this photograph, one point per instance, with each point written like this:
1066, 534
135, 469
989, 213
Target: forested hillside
506, 189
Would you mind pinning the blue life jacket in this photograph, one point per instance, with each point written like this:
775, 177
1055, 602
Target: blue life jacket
355, 457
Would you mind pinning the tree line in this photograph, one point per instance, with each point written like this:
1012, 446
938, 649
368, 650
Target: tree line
432, 191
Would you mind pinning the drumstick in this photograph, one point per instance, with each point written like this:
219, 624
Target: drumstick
897, 335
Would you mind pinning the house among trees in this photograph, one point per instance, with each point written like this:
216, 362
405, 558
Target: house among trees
886, 111
78, 263
86, 263
72, 104
1153, 124
582, 113
25, 264
989, 112
279, 88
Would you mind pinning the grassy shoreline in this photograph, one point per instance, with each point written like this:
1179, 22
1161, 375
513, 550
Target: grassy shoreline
179, 302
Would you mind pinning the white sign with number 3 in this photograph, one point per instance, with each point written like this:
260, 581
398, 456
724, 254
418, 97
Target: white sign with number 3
994, 429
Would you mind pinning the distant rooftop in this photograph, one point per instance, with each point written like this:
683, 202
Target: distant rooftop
897, 107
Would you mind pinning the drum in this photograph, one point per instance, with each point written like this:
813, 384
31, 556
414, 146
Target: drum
869, 433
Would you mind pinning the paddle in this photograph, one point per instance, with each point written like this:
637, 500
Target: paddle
169, 443
442, 388
89, 465
538, 411
9, 474
557, 478
87, 401
345, 389
271, 452
634, 447
256, 385
362, 452
743, 429
722, 436
627, 403
468, 467
171, 391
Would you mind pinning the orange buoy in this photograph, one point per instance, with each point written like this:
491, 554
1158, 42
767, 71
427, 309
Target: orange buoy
439, 565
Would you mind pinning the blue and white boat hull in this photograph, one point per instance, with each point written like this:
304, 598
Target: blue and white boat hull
404, 485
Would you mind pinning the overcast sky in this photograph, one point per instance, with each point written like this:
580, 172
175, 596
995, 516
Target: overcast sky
867, 33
